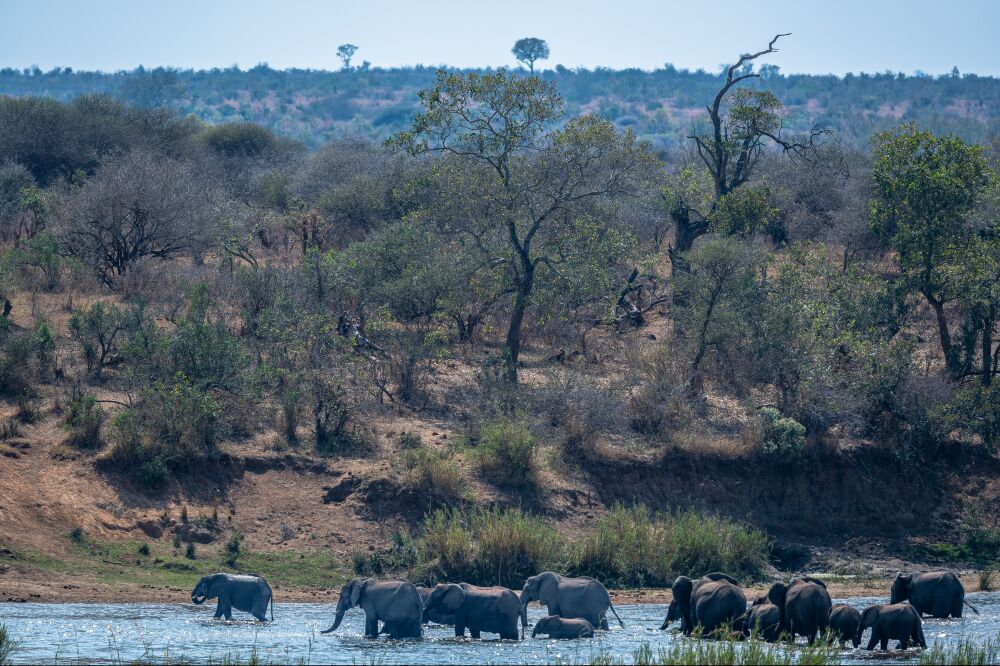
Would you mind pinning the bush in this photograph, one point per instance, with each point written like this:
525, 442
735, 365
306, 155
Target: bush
401, 556
233, 548
77, 535
631, 547
506, 453
84, 420
488, 547
17, 354
781, 435
144, 550
191, 552
98, 330
8, 646
410, 440
432, 473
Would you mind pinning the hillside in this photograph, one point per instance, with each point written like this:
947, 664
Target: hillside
662, 106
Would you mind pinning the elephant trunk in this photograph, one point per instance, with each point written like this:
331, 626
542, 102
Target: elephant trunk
336, 622
524, 617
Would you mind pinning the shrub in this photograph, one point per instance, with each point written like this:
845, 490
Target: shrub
76, 535
432, 473
401, 556
660, 399
488, 547
631, 547
190, 552
506, 453
98, 330
410, 440
986, 577
84, 420
144, 550
781, 435
8, 646
16, 364
233, 548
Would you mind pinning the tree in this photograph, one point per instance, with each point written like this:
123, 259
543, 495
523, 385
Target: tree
530, 184
137, 206
530, 49
925, 189
743, 122
345, 52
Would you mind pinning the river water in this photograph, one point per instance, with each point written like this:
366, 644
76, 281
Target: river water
182, 632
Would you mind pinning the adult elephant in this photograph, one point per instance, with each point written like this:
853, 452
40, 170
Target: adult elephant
494, 610
248, 593
583, 598
435, 615
935, 593
845, 623
805, 606
712, 602
396, 603
893, 621
763, 620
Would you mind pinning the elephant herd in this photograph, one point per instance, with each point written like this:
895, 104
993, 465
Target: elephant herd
707, 606
715, 603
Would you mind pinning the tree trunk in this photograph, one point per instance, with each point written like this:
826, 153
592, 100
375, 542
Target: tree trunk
943, 333
513, 343
987, 366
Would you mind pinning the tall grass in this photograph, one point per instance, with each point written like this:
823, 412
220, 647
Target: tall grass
628, 547
729, 652
631, 547
8, 646
964, 652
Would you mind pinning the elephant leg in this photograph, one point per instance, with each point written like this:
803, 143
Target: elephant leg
874, 640
604, 624
218, 609
474, 633
884, 644
371, 627
956, 609
459, 629
227, 607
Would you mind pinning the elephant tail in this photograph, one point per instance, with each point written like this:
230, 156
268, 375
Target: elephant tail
272, 607
974, 609
612, 606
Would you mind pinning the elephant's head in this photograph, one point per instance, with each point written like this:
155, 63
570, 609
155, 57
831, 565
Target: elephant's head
681, 589
718, 575
449, 597
900, 588
541, 588
868, 619
350, 596
544, 626
776, 595
760, 600
673, 613
207, 588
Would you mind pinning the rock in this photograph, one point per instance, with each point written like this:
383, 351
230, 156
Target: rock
191, 533
790, 556
342, 490
150, 528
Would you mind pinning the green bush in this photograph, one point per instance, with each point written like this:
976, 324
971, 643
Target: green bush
488, 547
781, 435
84, 419
410, 440
432, 473
632, 547
233, 548
505, 453
974, 410
8, 646
17, 355
99, 331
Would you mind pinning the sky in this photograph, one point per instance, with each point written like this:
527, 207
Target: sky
827, 37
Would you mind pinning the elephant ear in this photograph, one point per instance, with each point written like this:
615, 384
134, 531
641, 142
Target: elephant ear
718, 575
776, 594
358, 586
682, 589
815, 581
900, 588
547, 586
869, 617
453, 598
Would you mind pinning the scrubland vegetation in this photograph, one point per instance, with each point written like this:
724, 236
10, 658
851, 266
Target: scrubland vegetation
543, 282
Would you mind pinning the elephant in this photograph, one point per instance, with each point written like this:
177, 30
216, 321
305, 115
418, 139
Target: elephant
435, 615
763, 620
845, 622
249, 593
712, 601
893, 621
805, 606
935, 593
491, 609
568, 597
395, 602
554, 626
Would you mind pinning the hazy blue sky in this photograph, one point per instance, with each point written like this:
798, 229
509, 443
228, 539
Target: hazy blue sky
838, 37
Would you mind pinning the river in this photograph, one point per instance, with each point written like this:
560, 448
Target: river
182, 632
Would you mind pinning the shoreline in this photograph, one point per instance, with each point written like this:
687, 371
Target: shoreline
90, 592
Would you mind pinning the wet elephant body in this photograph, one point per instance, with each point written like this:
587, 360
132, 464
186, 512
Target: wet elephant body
845, 622
805, 606
554, 626
763, 620
249, 593
712, 602
395, 603
567, 597
893, 622
493, 610
939, 594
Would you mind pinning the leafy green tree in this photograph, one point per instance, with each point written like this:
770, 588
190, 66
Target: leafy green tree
345, 52
99, 330
747, 211
530, 49
534, 182
926, 189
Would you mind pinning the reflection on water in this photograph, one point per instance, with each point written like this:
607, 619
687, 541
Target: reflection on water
184, 632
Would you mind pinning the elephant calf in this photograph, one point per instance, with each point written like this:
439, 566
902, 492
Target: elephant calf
248, 593
763, 620
491, 609
433, 615
893, 622
554, 626
845, 622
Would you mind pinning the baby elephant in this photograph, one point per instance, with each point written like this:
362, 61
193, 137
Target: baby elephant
248, 593
554, 626
845, 622
893, 621
763, 620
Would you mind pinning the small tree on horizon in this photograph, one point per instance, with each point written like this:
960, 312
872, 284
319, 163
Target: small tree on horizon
529, 49
345, 52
